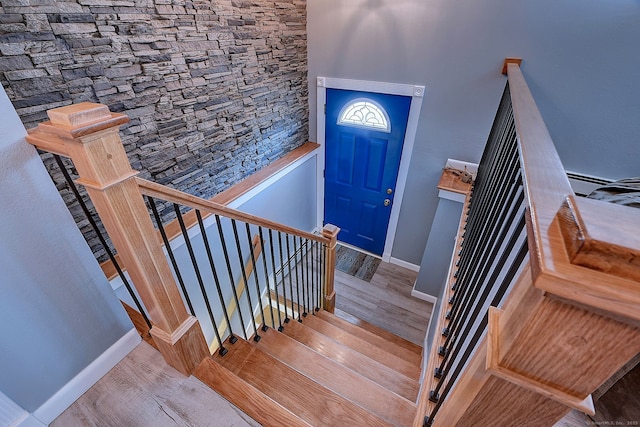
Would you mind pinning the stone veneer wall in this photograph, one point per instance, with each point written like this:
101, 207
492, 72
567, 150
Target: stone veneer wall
215, 89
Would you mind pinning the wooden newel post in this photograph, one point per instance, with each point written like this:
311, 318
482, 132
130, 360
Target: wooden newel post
331, 232
89, 134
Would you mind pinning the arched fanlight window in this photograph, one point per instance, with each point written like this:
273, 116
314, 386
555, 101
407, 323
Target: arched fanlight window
366, 113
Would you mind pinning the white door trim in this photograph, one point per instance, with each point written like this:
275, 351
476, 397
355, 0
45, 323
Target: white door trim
416, 93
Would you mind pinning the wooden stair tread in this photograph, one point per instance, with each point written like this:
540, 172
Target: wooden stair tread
358, 362
390, 342
403, 366
347, 383
246, 397
302, 396
389, 336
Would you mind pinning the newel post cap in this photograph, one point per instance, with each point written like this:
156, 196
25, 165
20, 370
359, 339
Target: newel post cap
82, 119
75, 115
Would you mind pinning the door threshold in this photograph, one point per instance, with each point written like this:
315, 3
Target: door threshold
355, 248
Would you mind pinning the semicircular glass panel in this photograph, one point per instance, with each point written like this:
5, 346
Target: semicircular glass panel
363, 112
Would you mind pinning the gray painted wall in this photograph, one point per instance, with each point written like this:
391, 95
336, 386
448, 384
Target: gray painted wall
437, 254
57, 311
579, 59
291, 200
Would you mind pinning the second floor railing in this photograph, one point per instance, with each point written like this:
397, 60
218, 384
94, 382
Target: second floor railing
207, 275
542, 304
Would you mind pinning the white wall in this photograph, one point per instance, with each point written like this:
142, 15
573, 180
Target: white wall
580, 59
57, 311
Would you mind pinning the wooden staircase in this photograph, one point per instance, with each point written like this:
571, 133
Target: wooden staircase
321, 371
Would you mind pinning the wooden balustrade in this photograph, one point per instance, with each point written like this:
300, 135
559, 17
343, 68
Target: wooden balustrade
88, 134
571, 319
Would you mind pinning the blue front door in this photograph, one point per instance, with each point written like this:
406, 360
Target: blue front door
364, 136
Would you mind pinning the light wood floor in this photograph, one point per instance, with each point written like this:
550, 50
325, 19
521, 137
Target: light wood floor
142, 390
385, 301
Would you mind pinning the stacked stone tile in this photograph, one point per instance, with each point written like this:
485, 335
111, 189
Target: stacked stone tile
215, 89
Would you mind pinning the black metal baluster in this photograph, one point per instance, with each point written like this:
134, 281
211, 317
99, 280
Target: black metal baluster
103, 242
255, 276
451, 357
486, 205
513, 269
482, 257
266, 276
304, 308
457, 325
478, 229
275, 280
295, 256
256, 337
309, 267
167, 246
293, 312
316, 280
284, 285
230, 272
196, 269
205, 240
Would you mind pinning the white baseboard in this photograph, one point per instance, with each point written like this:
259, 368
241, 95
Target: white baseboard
28, 421
11, 414
82, 382
404, 264
425, 297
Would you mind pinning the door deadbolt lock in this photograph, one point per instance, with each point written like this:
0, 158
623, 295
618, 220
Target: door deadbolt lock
389, 191
387, 202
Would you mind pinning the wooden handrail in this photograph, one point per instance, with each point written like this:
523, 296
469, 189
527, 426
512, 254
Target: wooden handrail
160, 191
558, 225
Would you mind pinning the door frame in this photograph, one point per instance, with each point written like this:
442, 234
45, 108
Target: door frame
416, 92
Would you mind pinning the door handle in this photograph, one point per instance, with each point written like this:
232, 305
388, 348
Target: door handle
389, 191
387, 202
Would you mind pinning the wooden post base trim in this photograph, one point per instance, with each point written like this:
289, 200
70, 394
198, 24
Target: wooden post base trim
173, 337
184, 348
76, 131
493, 366
330, 302
103, 186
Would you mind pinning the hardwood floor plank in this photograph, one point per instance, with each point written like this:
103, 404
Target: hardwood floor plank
386, 301
354, 325
408, 326
142, 390
332, 375
397, 360
302, 396
369, 368
376, 291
